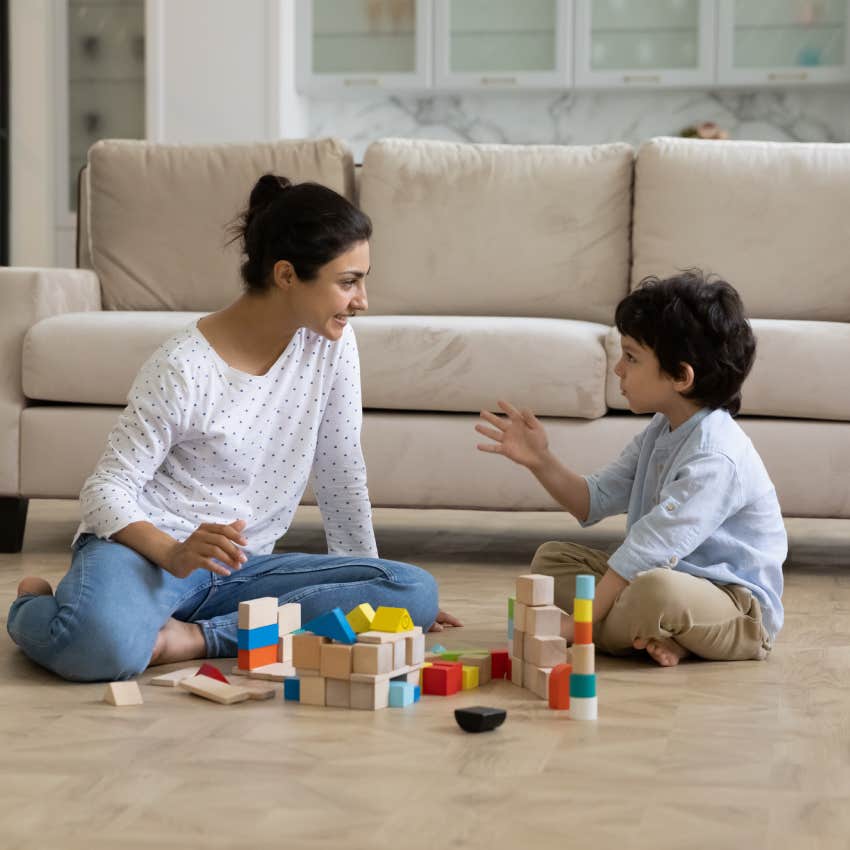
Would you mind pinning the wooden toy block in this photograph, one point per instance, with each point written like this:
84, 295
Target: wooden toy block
213, 672
372, 658
172, 680
585, 586
468, 678
442, 679
259, 690
511, 603
255, 638
583, 708
583, 610
388, 619
400, 653
518, 644
536, 679
583, 686
335, 661
516, 671
312, 690
480, 718
583, 658
535, 589
414, 676
559, 687
389, 637
360, 618
306, 672
499, 663
414, 649
449, 655
583, 633
370, 696
256, 613
284, 648
292, 689
510, 629
509, 671
288, 618
545, 651
484, 663
307, 650
212, 689
443, 663
520, 614
543, 620
123, 693
332, 625
338, 693
276, 672
401, 695
250, 659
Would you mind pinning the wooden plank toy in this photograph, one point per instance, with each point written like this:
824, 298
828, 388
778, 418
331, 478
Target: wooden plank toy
123, 693
173, 679
212, 689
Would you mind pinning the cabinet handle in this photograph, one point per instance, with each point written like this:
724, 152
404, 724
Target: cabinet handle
361, 81
498, 81
641, 78
791, 75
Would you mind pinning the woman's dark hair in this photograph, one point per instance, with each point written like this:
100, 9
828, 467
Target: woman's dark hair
694, 319
305, 223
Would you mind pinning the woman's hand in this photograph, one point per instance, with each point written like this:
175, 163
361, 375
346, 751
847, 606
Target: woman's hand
205, 547
443, 620
520, 436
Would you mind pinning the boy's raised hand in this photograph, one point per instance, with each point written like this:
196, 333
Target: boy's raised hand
518, 435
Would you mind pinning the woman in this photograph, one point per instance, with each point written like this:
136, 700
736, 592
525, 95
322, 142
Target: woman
225, 424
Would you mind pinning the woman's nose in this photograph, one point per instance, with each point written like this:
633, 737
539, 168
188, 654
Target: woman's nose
360, 301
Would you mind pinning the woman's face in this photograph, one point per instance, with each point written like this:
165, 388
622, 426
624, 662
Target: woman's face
325, 304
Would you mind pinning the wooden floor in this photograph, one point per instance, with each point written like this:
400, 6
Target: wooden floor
747, 755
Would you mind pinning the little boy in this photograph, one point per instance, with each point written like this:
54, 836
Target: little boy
700, 570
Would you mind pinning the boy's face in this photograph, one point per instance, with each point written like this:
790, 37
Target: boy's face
647, 388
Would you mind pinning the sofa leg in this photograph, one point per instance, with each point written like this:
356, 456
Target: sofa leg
13, 521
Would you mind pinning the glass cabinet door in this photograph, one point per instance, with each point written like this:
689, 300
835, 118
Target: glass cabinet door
502, 43
781, 42
362, 44
644, 44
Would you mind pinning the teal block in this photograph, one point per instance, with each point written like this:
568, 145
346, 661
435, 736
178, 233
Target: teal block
332, 625
437, 648
401, 694
583, 685
585, 586
292, 689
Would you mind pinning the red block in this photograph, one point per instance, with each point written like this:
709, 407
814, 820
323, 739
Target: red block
500, 662
583, 633
212, 672
442, 679
444, 663
559, 686
250, 659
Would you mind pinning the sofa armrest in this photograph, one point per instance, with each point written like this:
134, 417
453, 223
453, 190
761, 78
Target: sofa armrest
28, 295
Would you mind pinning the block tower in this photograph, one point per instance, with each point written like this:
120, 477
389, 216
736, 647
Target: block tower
257, 637
583, 704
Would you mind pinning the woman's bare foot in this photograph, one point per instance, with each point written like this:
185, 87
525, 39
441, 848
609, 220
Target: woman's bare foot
178, 641
34, 586
663, 651
444, 619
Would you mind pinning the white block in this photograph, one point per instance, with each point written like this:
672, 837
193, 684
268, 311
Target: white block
583, 708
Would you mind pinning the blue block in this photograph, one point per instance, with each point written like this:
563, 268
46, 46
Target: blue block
437, 648
585, 586
292, 689
401, 694
255, 638
332, 625
417, 693
583, 685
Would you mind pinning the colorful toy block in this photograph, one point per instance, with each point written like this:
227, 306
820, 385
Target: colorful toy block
173, 679
583, 685
360, 618
292, 689
585, 586
335, 660
417, 693
256, 613
437, 648
450, 655
583, 633
401, 695
212, 689
468, 678
338, 693
288, 618
499, 659
123, 693
372, 658
332, 625
213, 672
250, 659
255, 638
389, 619
559, 687
535, 589
442, 680
583, 611
307, 650
484, 663
582, 656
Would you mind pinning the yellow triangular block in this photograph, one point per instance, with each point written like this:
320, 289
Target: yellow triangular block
391, 620
360, 618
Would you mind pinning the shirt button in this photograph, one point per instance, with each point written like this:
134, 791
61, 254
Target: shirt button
669, 506
673, 561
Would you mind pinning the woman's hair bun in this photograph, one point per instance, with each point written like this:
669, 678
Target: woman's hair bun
267, 190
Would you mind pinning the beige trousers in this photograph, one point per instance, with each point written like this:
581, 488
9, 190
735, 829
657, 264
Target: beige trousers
719, 622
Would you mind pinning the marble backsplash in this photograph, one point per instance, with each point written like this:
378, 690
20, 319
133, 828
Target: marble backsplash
580, 118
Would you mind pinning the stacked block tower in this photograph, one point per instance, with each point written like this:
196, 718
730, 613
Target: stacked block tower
583, 701
265, 638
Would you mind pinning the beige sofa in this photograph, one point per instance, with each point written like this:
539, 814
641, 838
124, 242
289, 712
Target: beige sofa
496, 271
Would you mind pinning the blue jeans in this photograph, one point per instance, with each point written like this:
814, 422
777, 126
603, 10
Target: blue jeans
102, 622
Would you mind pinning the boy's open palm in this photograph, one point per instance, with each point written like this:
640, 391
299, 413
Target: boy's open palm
518, 435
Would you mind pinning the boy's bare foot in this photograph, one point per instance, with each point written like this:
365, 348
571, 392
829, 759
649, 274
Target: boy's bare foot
178, 641
444, 619
34, 586
663, 651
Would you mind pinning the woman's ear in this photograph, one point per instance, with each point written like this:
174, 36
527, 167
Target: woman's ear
283, 274
685, 382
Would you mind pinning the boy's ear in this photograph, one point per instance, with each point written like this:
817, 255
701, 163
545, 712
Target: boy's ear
685, 380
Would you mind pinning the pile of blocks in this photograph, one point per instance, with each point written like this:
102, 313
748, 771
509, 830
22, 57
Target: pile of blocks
363, 660
444, 673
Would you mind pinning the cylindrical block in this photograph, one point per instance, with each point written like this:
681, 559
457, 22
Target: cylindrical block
583, 633
583, 610
583, 685
583, 658
585, 586
583, 708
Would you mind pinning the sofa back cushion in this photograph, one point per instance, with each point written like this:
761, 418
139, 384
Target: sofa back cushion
500, 230
771, 218
158, 214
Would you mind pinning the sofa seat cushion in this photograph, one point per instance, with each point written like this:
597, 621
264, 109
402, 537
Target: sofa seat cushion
799, 370
555, 366
498, 230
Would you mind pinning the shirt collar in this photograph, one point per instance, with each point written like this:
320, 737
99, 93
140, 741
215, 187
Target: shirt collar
670, 439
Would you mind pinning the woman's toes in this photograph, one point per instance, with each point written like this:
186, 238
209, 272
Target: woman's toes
34, 586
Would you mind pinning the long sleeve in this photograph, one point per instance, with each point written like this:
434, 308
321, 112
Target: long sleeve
339, 470
611, 487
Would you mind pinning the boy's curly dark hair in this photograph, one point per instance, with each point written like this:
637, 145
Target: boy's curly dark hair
694, 319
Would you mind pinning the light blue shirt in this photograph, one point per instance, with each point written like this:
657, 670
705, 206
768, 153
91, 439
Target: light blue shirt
698, 500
